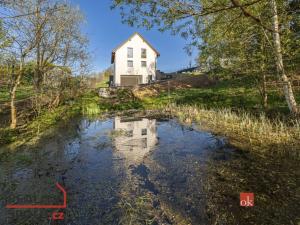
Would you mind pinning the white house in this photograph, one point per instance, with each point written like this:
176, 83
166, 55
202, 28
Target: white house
134, 62
137, 139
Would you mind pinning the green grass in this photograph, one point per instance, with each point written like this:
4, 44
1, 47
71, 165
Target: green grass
240, 94
89, 104
38, 126
245, 131
41, 124
103, 84
23, 92
92, 104
232, 108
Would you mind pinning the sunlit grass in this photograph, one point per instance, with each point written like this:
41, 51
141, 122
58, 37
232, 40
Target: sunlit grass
23, 92
245, 131
238, 94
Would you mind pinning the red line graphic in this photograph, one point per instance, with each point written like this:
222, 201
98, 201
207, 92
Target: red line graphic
43, 206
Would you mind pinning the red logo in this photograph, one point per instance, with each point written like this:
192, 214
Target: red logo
55, 215
247, 199
58, 216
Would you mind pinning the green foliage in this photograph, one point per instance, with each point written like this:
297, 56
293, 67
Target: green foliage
25, 91
123, 106
123, 100
8, 135
235, 35
91, 109
24, 159
104, 79
48, 119
28, 72
4, 40
239, 94
103, 84
166, 15
89, 103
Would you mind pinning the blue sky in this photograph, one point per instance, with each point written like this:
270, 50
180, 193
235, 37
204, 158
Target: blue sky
106, 31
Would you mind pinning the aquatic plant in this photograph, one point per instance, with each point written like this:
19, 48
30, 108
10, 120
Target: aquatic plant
244, 130
91, 109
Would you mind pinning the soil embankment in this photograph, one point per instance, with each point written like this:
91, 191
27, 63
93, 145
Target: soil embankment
183, 82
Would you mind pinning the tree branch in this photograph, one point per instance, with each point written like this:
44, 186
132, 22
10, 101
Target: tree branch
237, 4
208, 11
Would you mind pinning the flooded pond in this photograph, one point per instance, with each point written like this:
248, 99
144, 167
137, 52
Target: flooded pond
144, 171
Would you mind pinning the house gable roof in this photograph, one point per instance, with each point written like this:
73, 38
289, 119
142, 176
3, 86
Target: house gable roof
135, 33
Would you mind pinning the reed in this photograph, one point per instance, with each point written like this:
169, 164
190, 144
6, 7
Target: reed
243, 130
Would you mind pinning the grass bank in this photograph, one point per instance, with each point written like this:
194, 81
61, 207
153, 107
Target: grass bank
23, 92
258, 164
237, 94
38, 126
244, 131
229, 108
232, 108
89, 104
45, 122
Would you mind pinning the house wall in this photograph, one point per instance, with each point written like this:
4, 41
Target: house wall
120, 65
136, 146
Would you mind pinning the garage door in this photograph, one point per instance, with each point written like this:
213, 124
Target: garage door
130, 80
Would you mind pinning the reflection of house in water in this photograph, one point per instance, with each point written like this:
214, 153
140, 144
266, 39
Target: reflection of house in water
135, 137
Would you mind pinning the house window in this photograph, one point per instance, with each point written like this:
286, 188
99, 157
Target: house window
144, 132
130, 52
129, 133
144, 53
144, 64
144, 143
130, 63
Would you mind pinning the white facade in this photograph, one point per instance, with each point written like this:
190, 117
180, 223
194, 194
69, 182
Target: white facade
136, 139
137, 68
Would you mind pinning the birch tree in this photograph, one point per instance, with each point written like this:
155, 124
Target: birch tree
186, 17
288, 91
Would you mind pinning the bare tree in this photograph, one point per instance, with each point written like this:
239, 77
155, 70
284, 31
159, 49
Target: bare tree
22, 45
64, 46
50, 36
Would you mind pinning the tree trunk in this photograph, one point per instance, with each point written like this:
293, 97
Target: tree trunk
38, 27
13, 110
287, 86
264, 91
37, 73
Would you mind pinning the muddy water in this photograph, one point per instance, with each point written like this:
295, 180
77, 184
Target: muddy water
142, 171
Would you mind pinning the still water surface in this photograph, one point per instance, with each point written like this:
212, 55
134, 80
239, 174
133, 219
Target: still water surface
115, 171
